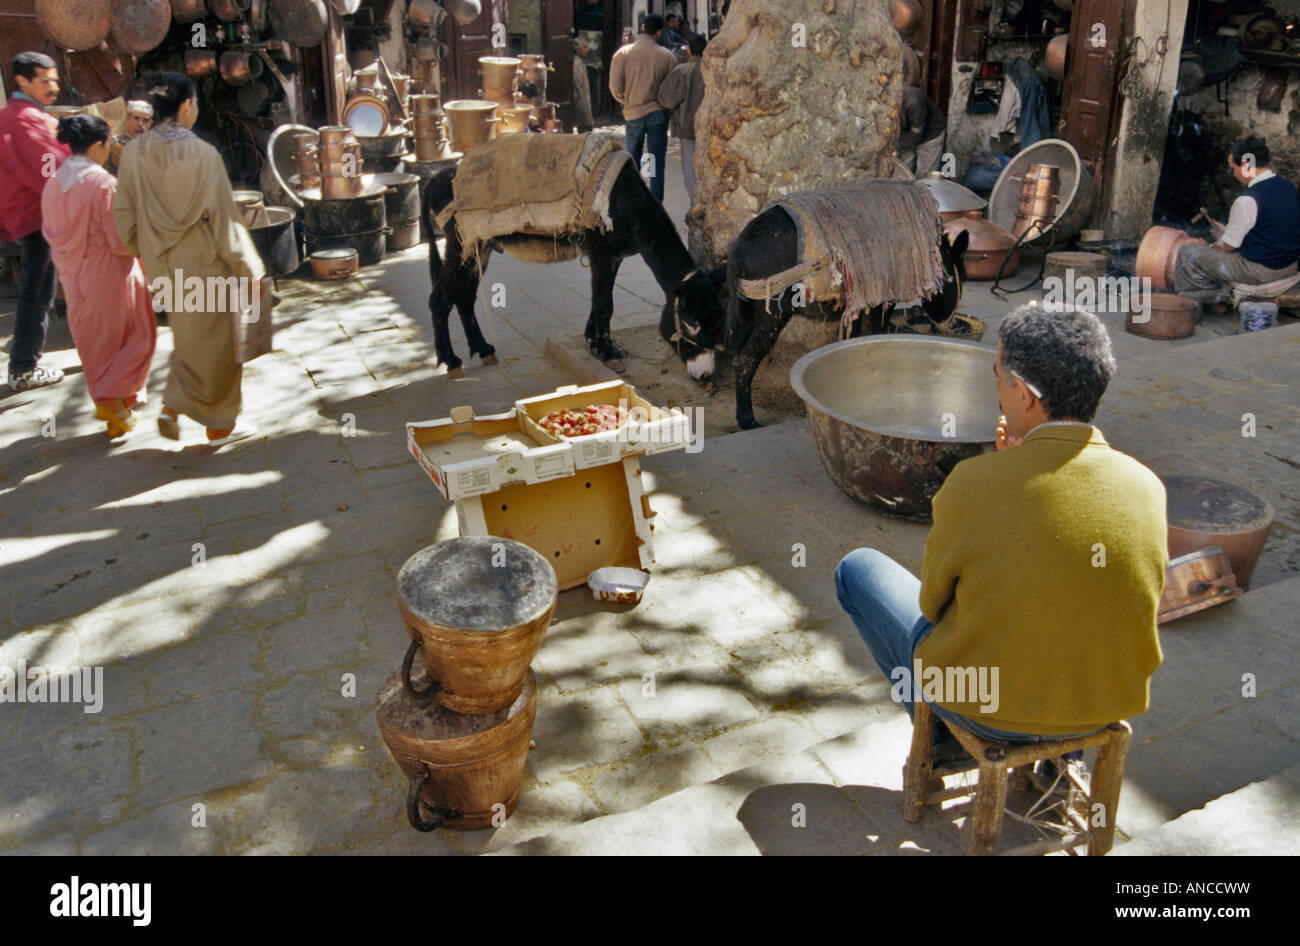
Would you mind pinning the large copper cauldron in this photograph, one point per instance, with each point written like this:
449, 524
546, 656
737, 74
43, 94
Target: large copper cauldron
891, 416
82, 27
987, 253
189, 11
240, 68
200, 63
1157, 255
1203, 512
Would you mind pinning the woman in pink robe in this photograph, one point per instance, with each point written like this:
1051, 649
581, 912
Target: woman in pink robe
110, 313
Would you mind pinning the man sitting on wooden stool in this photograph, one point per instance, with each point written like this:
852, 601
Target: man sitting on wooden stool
1261, 241
1035, 615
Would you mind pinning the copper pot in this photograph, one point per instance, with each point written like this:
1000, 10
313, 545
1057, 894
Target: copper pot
1203, 512
553, 126
367, 78
334, 264
947, 216
426, 104
227, 11
340, 187
188, 11
200, 63
545, 113
515, 118
335, 134
1196, 581
1054, 58
76, 28
1167, 316
907, 16
428, 49
1157, 255
139, 25
988, 247
465, 12
426, 13
239, 68
1040, 195
498, 72
472, 121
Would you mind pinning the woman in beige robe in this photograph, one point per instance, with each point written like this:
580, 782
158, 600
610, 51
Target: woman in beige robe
175, 210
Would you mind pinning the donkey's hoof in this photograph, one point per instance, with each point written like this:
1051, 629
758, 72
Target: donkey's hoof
490, 360
456, 373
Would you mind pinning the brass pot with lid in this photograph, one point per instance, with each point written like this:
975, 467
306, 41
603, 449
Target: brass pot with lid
989, 245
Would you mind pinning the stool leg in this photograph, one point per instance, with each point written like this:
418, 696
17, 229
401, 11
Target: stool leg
1104, 790
990, 799
916, 774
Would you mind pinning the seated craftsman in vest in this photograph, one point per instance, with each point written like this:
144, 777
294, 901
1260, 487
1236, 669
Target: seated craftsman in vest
1042, 574
1261, 242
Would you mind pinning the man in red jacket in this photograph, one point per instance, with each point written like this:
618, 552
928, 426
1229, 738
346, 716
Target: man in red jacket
29, 156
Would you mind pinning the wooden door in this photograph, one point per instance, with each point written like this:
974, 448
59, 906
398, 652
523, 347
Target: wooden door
937, 50
1089, 100
557, 47
465, 43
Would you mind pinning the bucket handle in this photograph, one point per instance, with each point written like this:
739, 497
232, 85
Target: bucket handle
439, 816
421, 696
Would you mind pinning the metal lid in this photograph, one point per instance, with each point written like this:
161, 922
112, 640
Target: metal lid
951, 196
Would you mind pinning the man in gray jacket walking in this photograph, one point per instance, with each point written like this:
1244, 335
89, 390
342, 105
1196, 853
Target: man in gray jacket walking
682, 92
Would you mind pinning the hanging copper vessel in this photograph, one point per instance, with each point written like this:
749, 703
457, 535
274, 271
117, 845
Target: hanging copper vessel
139, 25
189, 11
1054, 58
907, 16
238, 68
227, 11
200, 63
83, 27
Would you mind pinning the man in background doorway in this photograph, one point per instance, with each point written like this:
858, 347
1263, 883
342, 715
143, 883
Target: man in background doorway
635, 74
582, 117
921, 132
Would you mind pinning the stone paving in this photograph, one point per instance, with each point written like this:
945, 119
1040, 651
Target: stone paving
241, 605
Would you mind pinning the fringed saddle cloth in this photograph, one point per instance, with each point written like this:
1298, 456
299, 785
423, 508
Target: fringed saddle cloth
861, 245
533, 184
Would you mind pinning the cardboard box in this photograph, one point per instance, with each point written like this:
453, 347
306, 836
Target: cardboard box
595, 518
466, 455
650, 429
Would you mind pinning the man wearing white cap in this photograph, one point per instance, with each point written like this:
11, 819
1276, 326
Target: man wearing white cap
139, 119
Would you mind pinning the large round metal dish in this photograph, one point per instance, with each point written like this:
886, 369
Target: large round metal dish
301, 22
1077, 191
951, 196
75, 28
367, 115
139, 25
891, 416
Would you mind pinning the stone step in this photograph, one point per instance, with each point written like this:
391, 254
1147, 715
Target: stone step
1261, 818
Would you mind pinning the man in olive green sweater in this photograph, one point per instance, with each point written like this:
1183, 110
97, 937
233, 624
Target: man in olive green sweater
1035, 615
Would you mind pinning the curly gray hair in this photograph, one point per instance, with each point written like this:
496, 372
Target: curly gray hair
1064, 352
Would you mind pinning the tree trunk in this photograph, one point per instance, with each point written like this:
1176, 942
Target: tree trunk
799, 94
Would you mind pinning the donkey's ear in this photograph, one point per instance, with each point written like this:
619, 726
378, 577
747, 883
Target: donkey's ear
960, 244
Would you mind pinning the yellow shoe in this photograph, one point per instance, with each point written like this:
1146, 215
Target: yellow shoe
121, 422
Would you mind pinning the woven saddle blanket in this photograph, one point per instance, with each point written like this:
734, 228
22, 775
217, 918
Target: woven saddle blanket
862, 245
533, 184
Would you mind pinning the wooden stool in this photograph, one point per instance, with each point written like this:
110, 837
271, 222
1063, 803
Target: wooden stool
994, 759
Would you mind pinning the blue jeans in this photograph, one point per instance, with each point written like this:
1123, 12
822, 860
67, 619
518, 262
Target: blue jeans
688, 167
883, 599
35, 296
650, 131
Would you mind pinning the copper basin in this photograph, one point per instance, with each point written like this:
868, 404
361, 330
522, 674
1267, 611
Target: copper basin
1203, 512
1167, 316
1157, 255
77, 28
880, 408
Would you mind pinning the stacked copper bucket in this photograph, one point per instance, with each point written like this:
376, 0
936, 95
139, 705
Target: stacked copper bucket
341, 164
430, 128
459, 721
307, 160
1040, 193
